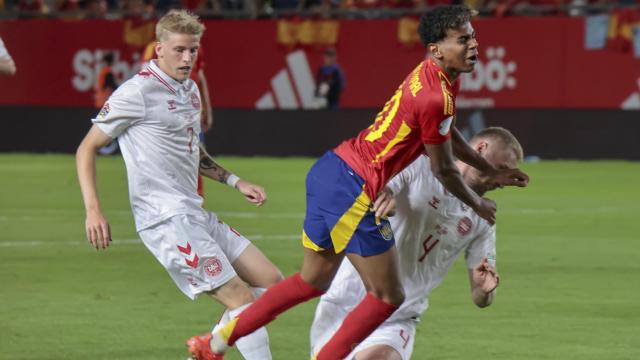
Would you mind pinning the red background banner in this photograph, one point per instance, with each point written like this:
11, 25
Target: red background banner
525, 63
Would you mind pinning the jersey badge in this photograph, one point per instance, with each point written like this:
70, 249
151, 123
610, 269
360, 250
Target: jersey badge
445, 126
213, 267
172, 104
385, 230
464, 226
195, 101
105, 110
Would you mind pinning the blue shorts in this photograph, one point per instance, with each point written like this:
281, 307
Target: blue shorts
339, 214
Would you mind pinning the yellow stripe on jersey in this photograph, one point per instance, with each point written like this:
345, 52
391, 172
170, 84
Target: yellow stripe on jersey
345, 227
306, 242
402, 133
446, 94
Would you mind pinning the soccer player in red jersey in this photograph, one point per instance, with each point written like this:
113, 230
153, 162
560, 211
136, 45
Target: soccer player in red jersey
346, 201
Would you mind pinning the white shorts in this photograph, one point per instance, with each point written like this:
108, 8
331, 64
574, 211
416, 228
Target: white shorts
197, 251
399, 334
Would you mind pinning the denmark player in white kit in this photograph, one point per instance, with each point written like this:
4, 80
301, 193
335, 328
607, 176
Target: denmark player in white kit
432, 228
156, 118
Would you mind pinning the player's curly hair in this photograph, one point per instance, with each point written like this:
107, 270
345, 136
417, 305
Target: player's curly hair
435, 23
178, 22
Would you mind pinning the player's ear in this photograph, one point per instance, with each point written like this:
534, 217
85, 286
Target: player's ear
481, 147
158, 49
433, 49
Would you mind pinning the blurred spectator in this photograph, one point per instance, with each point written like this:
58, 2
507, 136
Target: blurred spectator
330, 81
96, 9
103, 88
7, 66
31, 7
105, 81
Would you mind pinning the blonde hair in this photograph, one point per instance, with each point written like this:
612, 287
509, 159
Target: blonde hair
502, 135
178, 22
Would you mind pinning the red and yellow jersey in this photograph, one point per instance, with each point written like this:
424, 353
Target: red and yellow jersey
421, 111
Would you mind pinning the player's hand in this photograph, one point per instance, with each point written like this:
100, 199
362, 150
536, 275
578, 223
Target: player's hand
487, 210
98, 229
253, 193
485, 276
385, 204
509, 177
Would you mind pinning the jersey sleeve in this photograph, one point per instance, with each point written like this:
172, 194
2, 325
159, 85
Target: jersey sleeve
123, 109
483, 245
435, 118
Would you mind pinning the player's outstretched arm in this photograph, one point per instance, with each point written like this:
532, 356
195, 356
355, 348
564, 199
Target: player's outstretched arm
96, 225
209, 168
446, 171
484, 280
502, 177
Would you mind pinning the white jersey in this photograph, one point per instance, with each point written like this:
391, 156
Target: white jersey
157, 121
432, 228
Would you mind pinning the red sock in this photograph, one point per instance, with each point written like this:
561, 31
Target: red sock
277, 299
360, 322
200, 186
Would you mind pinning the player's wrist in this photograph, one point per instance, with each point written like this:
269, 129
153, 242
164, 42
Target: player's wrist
232, 180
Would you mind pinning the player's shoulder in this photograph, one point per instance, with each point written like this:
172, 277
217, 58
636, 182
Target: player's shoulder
129, 92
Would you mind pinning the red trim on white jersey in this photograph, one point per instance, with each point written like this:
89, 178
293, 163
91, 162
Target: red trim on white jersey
164, 82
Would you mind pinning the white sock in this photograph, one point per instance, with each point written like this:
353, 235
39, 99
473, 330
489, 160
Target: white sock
254, 346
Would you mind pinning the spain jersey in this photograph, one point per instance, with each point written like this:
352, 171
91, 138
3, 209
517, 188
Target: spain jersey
420, 112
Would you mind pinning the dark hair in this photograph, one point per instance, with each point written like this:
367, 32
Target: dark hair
108, 58
435, 23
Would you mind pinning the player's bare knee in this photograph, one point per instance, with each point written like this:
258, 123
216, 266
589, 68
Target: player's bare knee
390, 296
233, 294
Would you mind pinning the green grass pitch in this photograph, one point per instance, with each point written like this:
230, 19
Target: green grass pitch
568, 255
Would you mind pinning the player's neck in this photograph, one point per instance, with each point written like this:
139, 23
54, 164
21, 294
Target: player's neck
452, 75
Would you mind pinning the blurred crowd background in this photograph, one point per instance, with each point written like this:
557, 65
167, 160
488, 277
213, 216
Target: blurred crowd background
357, 9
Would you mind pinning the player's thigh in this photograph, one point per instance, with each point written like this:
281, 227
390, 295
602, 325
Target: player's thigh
253, 267
380, 275
320, 267
390, 341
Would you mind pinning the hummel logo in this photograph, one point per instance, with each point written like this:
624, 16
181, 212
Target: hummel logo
285, 95
172, 104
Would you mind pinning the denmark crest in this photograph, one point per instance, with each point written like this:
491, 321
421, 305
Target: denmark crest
213, 267
195, 101
464, 226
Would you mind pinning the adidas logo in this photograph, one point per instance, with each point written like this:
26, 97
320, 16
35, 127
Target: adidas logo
283, 94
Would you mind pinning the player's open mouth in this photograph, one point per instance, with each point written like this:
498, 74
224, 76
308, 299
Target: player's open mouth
184, 68
472, 59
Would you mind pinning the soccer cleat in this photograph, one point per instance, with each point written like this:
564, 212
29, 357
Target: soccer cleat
201, 350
